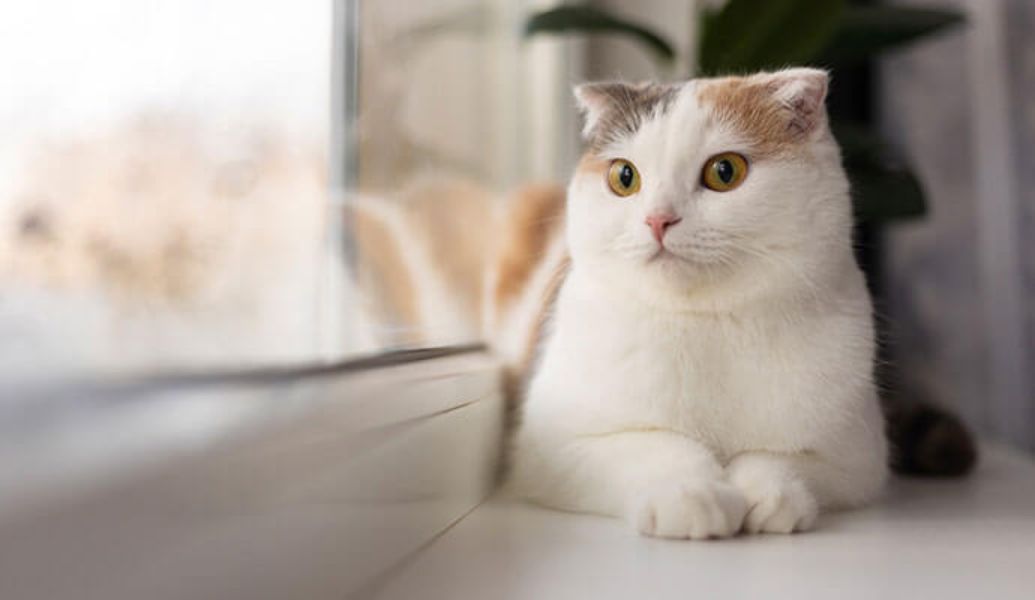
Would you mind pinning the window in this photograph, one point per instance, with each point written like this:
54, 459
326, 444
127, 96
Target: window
210, 185
206, 210
454, 110
163, 185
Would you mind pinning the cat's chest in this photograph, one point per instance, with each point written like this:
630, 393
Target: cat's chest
677, 362
717, 378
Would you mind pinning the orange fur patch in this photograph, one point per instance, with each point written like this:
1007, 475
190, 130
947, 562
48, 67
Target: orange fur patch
748, 105
536, 213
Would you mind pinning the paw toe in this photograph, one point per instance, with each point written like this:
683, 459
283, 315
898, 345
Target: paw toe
694, 511
783, 510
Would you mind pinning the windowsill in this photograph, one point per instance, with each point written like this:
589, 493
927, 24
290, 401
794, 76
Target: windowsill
297, 483
65, 430
969, 538
356, 479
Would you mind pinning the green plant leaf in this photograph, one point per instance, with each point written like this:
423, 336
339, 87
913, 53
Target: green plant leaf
884, 188
750, 35
587, 19
865, 31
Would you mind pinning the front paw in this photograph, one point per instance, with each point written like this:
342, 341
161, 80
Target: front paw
689, 509
778, 501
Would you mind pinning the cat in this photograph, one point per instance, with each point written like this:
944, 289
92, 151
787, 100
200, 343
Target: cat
507, 275
442, 260
422, 259
708, 367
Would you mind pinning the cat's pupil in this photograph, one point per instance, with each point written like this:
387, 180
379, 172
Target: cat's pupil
626, 176
724, 169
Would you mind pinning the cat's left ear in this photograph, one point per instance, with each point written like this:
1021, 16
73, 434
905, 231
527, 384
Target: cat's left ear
802, 93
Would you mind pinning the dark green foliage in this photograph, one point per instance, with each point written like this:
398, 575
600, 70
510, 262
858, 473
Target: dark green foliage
752, 35
587, 19
865, 31
883, 188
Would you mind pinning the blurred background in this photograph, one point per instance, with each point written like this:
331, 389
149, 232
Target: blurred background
177, 180
163, 183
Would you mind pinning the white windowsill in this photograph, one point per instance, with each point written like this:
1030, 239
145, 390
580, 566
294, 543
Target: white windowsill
357, 485
967, 539
307, 487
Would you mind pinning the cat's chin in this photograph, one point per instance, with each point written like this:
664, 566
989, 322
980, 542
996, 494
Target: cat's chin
690, 261
667, 260
682, 270
668, 283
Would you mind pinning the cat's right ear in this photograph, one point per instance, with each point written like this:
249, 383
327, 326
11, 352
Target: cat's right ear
613, 109
596, 100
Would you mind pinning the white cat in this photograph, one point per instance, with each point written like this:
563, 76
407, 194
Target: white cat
708, 364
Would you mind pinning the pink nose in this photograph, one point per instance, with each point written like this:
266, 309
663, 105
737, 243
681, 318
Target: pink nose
660, 223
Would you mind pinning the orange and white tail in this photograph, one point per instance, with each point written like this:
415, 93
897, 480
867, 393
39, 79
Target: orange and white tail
446, 262
420, 263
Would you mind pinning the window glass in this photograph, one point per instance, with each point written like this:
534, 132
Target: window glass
163, 183
440, 134
202, 185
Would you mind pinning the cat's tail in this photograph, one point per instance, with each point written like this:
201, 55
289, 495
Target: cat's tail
445, 261
420, 258
927, 440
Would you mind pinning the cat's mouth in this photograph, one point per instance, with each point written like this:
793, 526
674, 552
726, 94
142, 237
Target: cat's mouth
663, 254
694, 255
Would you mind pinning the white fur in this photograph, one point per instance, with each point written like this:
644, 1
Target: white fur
726, 386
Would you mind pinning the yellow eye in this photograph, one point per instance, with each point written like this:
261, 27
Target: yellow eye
623, 178
724, 172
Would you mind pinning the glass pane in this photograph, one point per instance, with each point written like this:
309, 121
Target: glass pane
446, 91
163, 183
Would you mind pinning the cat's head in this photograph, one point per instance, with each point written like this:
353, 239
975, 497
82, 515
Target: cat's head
709, 183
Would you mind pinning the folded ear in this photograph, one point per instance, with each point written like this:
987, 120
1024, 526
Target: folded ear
599, 98
612, 109
802, 93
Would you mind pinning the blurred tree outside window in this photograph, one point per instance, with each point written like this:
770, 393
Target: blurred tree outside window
162, 184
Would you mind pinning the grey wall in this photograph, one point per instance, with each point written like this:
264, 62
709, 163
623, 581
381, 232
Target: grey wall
961, 281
